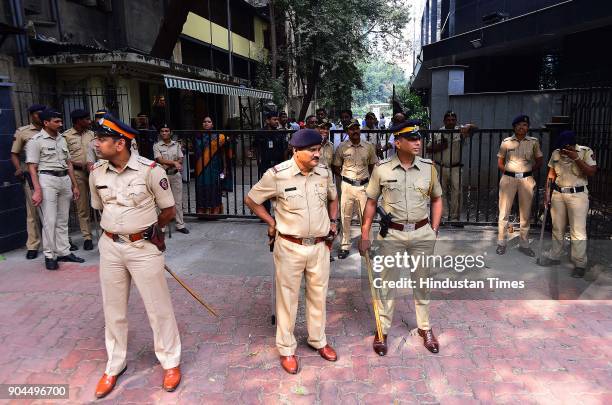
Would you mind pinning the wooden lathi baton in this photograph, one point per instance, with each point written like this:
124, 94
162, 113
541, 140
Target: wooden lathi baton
372, 290
193, 293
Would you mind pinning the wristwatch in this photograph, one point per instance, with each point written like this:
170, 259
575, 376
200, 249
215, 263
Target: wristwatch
333, 221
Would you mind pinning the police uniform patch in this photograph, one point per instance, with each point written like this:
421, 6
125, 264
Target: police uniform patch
164, 183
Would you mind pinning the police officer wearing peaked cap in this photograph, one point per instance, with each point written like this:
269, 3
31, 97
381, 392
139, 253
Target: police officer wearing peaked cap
518, 157
305, 214
408, 184
130, 189
52, 174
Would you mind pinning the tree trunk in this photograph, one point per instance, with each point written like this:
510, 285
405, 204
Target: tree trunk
313, 80
273, 51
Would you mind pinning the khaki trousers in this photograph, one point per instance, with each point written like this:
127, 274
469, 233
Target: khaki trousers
418, 242
451, 190
176, 185
83, 203
508, 188
144, 263
291, 261
31, 220
572, 208
352, 197
57, 195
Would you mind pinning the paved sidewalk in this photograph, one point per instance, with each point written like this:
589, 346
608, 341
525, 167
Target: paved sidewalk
52, 331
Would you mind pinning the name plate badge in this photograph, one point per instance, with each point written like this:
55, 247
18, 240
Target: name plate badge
518, 175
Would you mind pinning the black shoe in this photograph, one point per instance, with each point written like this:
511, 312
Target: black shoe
501, 250
183, 230
578, 272
343, 254
51, 264
32, 254
88, 245
73, 247
526, 251
70, 258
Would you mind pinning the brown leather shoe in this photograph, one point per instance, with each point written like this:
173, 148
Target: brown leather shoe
289, 363
107, 383
380, 345
172, 378
429, 340
327, 352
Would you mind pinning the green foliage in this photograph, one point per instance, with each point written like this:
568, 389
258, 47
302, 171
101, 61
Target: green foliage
377, 83
263, 81
327, 38
412, 103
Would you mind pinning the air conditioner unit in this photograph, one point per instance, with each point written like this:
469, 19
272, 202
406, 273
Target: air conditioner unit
494, 17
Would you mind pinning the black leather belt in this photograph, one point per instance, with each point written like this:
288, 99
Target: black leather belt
451, 166
408, 227
517, 175
355, 182
56, 173
569, 190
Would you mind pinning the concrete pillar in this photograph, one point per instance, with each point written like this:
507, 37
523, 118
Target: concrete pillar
445, 81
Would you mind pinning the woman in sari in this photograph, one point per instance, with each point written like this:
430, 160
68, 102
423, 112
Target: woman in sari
210, 170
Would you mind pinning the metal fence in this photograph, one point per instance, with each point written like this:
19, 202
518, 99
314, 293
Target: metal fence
479, 172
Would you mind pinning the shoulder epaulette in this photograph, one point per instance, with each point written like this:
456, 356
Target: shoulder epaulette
281, 166
99, 163
322, 166
382, 162
507, 139
23, 127
423, 160
145, 161
38, 135
532, 138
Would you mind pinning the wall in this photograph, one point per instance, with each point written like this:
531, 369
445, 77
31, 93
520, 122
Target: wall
497, 110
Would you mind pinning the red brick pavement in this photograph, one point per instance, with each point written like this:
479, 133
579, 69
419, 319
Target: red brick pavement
514, 351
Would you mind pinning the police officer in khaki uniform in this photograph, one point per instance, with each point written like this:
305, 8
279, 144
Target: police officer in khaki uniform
518, 157
408, 185
327, 148
569, 166
305, 214
54, 183
79, 139
353, 162
446, 152
129, 189
92, 156
169, 154
20, 140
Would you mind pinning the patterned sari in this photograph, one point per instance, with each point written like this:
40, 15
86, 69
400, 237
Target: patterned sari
208, 169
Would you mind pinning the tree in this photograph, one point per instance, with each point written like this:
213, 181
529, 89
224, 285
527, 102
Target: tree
325, 40
377, 82
412, 104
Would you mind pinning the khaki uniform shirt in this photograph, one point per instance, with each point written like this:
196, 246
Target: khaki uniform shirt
21, 138
355, 159
406, 192
568, 172
47, 152
519, 156
327, 154
170, 151
79, 144
301, 201
451, 156
129, 199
